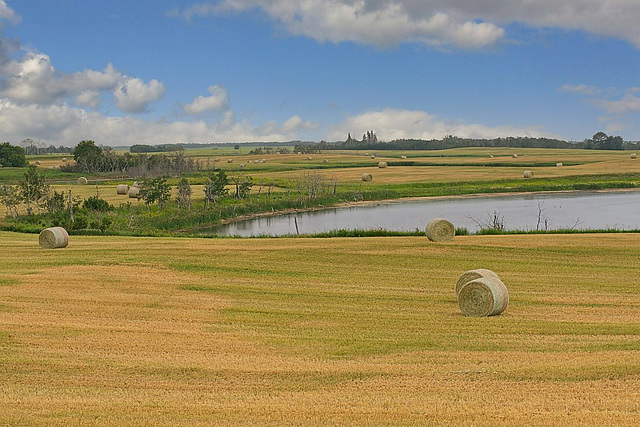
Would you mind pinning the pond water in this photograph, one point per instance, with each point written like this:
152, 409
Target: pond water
583, 210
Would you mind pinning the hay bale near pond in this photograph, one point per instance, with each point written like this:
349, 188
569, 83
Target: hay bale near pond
471, 275
528, 174
367, 177
53, 238
483, 297
382, 165
122, 189
440, 230
82, 181
134, 193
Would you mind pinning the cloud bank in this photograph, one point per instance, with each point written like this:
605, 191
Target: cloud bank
458, 23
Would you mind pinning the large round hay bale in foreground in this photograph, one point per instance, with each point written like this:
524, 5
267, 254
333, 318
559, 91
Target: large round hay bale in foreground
122, 189
382, 165
440, 230
483, 297
82, 181
367, 177
471, 275
528, 174
53, 237
134, 192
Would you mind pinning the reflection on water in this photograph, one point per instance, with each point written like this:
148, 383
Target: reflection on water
575, 210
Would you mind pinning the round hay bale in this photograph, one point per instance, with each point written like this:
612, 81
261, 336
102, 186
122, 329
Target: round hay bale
403, 157
250, 161
122, 189
373, 156
216, 160
515, 156
53, 237
38, 162
325, 161
528, 174
230, 161
309, 158
64, 160
483, 297
134, 193
471, 275
242, 165
367, 177
559, 165
263, 160
82, 181
633, 156
440, 230
491, 156
382, 165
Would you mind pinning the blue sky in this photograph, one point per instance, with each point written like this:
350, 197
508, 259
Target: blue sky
161, 71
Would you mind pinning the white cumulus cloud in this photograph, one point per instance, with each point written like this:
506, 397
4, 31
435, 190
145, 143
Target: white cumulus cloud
217, 101
460, 23
134, 95
390, 124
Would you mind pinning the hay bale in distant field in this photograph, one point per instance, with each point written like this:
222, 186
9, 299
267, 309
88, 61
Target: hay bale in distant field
528, 174
373, 156
242, 165
38, 162
216, 160
403, 157
64, 160
491, 156
440, 230
325, 161
633, 156
559, 165
367, 177
122, 189
471, 275
483, 297
82, 181
309, 158
251, 161
382, 165
515, 156
53, 238
134, 193
263, 160
230, 161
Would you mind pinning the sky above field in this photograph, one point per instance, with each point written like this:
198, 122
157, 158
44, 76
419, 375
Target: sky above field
164, 71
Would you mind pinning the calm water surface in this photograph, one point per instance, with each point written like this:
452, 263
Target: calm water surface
582, 210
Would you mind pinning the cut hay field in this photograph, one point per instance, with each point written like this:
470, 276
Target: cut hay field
360, 331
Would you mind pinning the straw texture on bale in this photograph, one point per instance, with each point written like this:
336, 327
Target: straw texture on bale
53, 237
367, 177
471, 275
528, 174
483, 297
82, 181
559, 165
633, 155
382, 165
122, 189
134, 192
440, 230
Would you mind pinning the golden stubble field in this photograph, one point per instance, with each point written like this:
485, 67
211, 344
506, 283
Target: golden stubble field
360, 331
